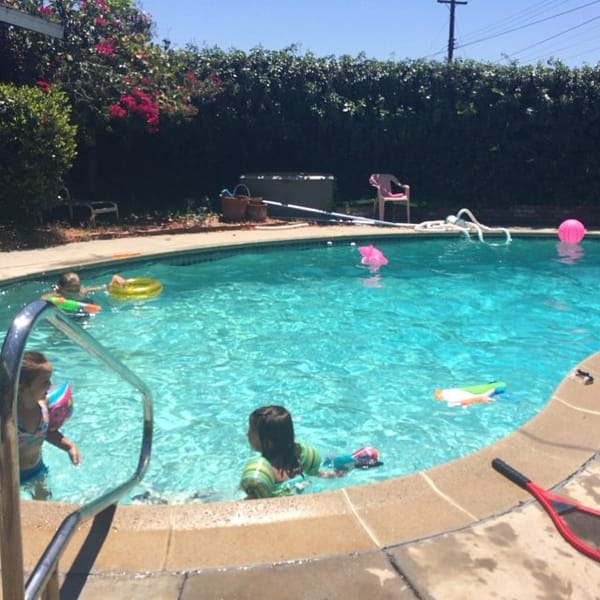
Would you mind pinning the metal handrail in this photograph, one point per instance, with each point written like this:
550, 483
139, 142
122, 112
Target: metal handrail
11, 539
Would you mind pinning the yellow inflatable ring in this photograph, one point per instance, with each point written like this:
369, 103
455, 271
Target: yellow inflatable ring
137, 288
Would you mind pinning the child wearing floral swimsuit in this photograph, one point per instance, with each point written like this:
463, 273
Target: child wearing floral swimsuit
34, 419
32, 439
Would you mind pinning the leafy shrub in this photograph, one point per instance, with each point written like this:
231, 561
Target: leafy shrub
37, 147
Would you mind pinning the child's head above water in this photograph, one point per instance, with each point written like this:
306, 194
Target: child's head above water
69, 283
271, 432
270, 428
35, 369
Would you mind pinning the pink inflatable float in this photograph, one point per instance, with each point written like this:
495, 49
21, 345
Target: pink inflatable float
372, 257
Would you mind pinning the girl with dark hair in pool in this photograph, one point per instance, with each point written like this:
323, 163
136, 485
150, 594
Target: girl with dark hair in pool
283, 464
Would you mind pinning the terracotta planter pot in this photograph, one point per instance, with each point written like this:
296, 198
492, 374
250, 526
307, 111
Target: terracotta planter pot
234, 208
257, 210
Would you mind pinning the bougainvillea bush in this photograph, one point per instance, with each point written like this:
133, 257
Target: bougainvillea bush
116, 79
106, 63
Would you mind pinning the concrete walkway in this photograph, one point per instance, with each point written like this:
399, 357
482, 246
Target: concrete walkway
459, 530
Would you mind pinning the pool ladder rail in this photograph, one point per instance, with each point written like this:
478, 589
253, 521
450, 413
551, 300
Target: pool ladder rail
44, 577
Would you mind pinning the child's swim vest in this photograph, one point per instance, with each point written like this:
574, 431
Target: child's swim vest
258, 477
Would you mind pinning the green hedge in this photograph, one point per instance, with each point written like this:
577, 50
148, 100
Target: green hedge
463, 134
37, 147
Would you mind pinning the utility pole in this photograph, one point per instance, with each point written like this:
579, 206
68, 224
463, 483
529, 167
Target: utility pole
452, 4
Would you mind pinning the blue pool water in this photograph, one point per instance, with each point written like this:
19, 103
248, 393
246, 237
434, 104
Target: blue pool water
355, 357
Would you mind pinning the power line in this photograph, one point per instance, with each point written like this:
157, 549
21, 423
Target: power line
574, 43
530, 24
552, 37
585, 52
527, 17
518, 17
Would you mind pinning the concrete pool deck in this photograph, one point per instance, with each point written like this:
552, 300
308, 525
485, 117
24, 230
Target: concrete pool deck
458, 530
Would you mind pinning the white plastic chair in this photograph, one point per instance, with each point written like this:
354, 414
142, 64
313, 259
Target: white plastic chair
386, 185
95, 207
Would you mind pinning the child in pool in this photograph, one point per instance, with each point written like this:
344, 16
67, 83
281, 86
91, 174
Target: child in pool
33, 423
69, 286
281, 469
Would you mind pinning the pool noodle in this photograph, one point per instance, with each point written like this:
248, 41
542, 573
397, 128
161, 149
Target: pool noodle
73, 305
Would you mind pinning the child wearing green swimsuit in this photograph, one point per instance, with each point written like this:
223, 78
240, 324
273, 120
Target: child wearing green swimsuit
284, 463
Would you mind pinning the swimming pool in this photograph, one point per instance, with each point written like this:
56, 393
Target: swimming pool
355, 357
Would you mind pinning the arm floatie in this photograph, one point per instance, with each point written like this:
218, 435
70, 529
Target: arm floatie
73, 306
60, 405
310, 459
258, 479
363, 458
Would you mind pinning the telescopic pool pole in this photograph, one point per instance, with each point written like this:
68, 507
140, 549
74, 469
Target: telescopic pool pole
353, 218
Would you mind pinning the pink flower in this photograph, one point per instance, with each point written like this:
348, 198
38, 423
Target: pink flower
128, 101
43, 85
138, 103
106, 47
141, 95
214, 79
116, 111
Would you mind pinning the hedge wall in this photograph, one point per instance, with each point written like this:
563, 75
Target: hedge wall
465, 134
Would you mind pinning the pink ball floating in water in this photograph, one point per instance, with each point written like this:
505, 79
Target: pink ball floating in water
571, 231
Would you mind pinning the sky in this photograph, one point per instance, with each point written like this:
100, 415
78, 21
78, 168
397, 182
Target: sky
497, 31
